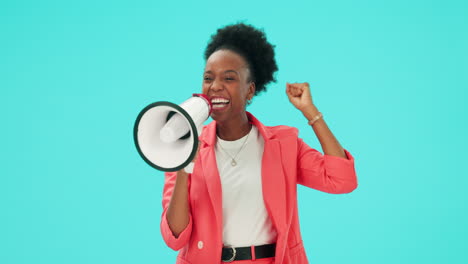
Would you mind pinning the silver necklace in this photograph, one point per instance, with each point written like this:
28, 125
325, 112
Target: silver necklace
233, 159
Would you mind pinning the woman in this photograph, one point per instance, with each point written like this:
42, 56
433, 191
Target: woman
240, 202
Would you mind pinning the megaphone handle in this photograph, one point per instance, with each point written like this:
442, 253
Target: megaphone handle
189, 167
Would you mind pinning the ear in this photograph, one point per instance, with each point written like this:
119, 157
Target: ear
251, 92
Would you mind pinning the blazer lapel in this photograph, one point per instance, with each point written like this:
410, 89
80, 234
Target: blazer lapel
273, 186
274, 194
213, 183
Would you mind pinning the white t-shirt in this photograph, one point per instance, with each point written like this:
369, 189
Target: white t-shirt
245, 218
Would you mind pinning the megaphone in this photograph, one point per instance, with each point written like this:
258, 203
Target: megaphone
166, 134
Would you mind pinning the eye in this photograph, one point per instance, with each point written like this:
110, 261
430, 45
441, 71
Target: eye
207, 78
230, 79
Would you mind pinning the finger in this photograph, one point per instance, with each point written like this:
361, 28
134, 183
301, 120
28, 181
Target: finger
305, 88
197, 153
288, 91
292, 91
289, 87
297, 91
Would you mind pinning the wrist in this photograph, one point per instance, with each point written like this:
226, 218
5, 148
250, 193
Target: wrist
310, 112
182, 175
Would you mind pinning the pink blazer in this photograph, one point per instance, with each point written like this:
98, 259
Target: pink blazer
287, 161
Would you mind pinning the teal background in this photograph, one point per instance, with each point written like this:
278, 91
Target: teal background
390, 77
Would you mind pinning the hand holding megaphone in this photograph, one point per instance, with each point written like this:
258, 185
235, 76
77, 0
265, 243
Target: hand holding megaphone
191, 165
166, 134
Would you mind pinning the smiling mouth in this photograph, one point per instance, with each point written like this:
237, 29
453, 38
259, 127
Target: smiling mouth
219, 103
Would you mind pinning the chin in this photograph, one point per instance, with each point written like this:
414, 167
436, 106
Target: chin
216, 117
220, 117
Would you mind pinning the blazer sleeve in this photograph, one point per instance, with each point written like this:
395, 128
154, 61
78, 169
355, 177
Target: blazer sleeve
172, 241
325, 173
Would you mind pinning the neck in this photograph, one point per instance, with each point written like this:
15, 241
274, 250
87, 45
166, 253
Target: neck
233, 129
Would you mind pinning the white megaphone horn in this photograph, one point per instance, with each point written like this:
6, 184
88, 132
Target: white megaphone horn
166, 134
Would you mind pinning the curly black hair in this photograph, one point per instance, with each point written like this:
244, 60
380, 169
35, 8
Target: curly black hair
252, 45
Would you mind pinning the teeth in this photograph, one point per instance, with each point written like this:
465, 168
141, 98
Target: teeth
218, 106
219, 100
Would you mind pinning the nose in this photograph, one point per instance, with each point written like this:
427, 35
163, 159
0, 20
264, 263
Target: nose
216, 86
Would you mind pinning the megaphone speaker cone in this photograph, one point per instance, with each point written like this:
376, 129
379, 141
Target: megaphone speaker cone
166, 134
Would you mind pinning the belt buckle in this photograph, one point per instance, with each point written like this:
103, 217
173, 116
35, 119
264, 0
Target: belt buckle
233, 255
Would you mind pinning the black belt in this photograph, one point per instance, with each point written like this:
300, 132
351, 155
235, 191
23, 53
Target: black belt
244, 253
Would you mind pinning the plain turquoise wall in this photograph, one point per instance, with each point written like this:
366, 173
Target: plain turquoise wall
389, 76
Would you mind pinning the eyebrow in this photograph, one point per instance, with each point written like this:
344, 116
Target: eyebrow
224, 72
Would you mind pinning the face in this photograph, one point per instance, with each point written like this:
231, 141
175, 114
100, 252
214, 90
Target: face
226, 81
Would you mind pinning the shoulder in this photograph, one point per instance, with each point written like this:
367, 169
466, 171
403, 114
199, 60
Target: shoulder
282, 131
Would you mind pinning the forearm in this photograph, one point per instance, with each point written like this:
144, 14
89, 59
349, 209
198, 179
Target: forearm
178, 209
329, 143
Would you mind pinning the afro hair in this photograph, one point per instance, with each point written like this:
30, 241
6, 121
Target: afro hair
252, 45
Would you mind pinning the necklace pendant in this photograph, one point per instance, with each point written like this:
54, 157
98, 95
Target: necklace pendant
233, 162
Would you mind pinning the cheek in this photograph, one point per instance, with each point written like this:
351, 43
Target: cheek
239, 100
204, 89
